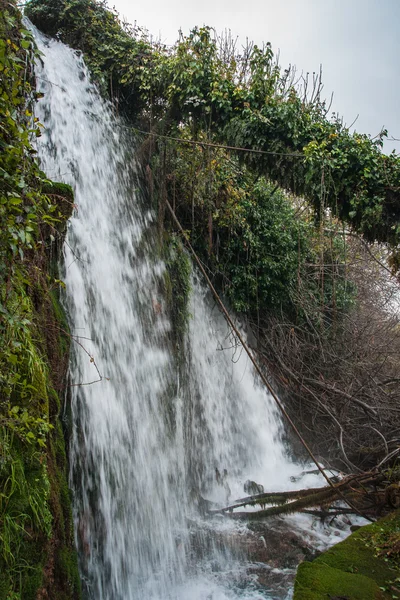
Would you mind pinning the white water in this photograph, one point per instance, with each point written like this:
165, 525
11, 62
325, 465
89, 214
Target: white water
146, 440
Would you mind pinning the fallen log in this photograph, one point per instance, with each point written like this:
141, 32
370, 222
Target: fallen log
267, 498
367, 491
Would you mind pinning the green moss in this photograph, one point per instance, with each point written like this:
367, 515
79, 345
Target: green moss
62, 323
59, 312
356, 555
177, 286
319, 582
37, 556
78, 23
62, 195
67, 569
60, 189
356, 568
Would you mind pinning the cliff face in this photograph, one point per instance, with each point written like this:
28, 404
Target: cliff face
37, 555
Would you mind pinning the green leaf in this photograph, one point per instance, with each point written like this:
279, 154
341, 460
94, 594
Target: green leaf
13, 359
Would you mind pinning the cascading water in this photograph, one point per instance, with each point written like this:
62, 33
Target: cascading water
135, 474
235, 424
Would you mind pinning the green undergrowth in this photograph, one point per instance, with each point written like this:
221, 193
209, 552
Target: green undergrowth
35, 514
365, 566
37, 556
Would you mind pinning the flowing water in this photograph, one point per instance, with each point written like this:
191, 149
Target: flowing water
152, 435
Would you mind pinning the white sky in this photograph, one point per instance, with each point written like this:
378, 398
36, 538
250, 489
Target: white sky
356, 41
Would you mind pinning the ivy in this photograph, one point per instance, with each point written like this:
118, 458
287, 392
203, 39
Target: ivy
260, 244
243, 100
22, 205
28, 213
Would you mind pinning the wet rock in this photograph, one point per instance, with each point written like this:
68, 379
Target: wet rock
252, 488
269, 551
276, 545
202, 505
269, 542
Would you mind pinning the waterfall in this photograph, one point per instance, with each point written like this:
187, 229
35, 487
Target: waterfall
134, 474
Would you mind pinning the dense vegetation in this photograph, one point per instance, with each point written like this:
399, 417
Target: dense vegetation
280, 202
265, 184
36, 545
241, 99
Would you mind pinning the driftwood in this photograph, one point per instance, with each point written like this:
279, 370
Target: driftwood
371, 493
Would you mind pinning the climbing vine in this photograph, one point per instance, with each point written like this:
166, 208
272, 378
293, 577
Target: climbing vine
244, 99
32, 472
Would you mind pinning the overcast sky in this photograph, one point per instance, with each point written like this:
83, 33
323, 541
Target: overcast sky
356, 41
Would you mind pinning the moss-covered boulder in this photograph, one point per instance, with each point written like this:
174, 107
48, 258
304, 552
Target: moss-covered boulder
365, 566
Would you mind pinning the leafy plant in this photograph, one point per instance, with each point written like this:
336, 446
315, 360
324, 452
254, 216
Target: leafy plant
243, 100
29, 210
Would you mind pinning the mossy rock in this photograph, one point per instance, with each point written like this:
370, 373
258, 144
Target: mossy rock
177, 286
321, 582
58, 188
62, 195
359, 568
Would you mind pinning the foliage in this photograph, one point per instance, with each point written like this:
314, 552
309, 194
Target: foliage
322, 161
263, 246
32, 473
25, 516
246, 231
23, 376
195, 82
244, 100
24, 209
203, 89
22, 205
268, 223
32, 213
121, 59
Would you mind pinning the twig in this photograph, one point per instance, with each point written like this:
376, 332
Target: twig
92, 360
